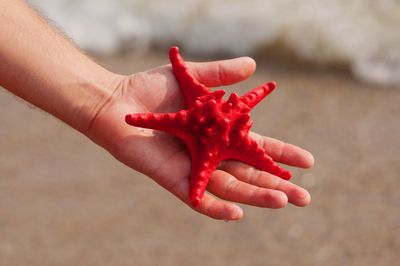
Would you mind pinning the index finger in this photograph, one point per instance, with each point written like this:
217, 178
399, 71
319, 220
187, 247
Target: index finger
283, 152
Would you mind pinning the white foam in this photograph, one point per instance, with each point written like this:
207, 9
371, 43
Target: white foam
364, 34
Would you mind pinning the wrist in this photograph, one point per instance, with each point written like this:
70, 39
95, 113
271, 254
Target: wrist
95, 92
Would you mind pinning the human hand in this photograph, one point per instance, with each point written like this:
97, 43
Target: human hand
56, 77
165, 159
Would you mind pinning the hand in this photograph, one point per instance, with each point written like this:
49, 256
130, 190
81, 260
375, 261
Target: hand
58, 78
165, 159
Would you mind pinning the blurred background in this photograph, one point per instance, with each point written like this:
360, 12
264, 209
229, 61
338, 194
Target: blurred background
65, 201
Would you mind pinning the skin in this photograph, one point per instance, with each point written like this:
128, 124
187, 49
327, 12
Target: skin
39, 65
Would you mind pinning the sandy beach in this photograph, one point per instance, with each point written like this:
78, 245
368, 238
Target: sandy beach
65, 201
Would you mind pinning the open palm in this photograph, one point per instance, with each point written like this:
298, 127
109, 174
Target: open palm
165, 159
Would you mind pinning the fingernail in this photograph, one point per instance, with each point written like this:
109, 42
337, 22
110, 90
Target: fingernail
237, 213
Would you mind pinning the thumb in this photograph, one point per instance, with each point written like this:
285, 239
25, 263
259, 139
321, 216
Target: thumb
224, 72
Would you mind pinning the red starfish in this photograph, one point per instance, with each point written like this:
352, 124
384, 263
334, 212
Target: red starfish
212, 129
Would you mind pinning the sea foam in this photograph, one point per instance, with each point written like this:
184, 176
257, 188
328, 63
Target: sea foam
364, 34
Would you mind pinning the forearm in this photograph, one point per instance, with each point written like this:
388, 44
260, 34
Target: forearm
40, 66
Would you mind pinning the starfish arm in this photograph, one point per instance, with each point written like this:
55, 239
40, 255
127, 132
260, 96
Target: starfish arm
204, 164
190, 86
248, 152
198, 184
253, 97
172, 123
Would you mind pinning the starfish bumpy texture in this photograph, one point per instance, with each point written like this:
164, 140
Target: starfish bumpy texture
212, 129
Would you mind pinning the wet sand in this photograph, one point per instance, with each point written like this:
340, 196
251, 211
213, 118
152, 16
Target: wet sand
65, 201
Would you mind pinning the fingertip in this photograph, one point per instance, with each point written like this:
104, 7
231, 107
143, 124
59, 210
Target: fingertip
302, 198
307, 200
236, 213
276, 199
308, 160
248, 66
300, 157
230, 212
